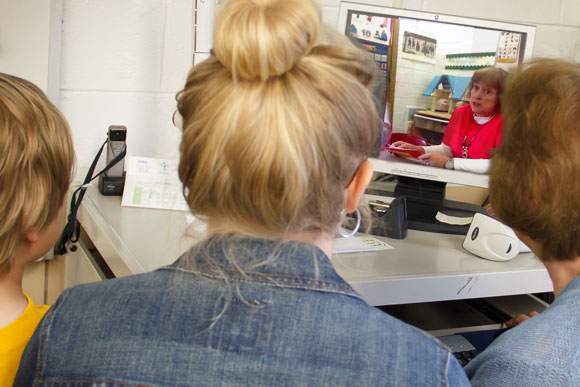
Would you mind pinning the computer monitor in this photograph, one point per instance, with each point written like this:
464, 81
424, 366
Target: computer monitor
411, 49
424, 189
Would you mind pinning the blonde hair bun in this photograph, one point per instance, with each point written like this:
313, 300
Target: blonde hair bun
259, 39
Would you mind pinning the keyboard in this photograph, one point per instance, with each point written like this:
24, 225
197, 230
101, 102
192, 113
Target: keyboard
466, 345
463, 350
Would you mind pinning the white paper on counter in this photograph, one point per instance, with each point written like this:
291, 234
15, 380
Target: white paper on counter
357, 244
153, 183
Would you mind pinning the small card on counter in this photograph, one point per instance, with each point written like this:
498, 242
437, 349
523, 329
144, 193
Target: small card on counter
357, 244
153, 183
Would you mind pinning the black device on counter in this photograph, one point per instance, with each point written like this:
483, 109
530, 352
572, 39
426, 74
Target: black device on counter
389, 220
112, 181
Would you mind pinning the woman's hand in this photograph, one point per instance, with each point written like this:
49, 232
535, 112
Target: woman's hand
406, 145
520, 318
434, 159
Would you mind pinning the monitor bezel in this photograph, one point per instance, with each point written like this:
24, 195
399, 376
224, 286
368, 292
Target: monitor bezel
387, 163
393, 165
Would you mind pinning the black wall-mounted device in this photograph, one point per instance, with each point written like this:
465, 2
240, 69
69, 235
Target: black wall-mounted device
112, 181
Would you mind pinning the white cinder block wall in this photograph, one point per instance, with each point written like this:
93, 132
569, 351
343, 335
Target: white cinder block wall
122, 63
123, 60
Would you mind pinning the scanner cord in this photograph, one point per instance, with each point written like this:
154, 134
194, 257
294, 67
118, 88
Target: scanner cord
71, 231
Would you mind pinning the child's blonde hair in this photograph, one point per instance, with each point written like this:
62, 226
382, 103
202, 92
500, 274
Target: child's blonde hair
36, 161
276, 122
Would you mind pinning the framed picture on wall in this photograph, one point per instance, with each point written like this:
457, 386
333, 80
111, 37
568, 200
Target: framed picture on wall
419, 47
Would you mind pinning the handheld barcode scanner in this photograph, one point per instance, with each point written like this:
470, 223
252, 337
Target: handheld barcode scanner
112, 181
490, 239
115, 145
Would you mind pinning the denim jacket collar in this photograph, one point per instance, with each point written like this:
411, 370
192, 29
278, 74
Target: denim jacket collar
279, 262
568, 291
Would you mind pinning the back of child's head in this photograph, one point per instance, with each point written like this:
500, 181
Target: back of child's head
535, 171
36, 162
277, 120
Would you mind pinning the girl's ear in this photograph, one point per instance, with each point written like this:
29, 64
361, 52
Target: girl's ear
357, 187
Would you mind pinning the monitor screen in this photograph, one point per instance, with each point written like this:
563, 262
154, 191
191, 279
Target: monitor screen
415, 50
411, 48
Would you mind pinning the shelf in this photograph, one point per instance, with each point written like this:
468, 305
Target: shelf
432, 114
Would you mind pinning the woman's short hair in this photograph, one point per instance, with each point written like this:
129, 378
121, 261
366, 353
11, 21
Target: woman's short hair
535, 171
277, 120
36, 162
493, 77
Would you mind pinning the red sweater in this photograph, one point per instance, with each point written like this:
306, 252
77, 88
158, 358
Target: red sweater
462, 127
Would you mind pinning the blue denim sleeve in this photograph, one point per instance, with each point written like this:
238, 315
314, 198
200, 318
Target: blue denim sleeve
25, 374
455, 374
505, 371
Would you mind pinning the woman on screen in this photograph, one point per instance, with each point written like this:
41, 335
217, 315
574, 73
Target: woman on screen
273, 154
473, 130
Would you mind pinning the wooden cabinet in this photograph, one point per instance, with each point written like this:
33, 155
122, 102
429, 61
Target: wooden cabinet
44, 280
81, 268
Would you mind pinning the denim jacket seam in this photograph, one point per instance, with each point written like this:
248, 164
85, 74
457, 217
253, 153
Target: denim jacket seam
340, 289
287, 276
445, 355
45, 336
445, 369
231, 274
91, 382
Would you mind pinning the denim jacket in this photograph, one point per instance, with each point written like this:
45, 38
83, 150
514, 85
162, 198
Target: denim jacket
541, 351
285, 319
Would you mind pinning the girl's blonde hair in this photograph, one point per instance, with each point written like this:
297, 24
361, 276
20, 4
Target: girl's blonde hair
36, 162
276, 122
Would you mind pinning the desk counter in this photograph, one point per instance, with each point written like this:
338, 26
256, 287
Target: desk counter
423, 267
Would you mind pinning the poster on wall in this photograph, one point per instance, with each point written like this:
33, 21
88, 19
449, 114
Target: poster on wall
419, 47
508, 47
371, 28
374, 33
